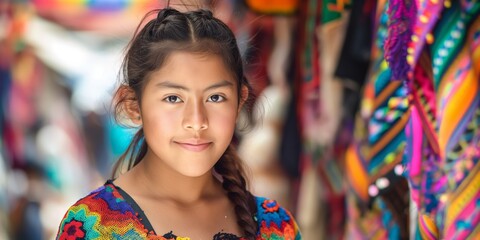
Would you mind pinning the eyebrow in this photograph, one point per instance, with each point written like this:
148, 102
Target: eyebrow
168, 84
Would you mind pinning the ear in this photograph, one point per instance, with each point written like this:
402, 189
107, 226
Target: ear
131, 105
243, 96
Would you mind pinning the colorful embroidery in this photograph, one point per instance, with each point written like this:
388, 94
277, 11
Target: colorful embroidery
106, 214
275, 222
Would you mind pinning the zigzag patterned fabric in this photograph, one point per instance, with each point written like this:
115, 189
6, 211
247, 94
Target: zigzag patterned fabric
378, 146
379, 131
108, 213
386, 110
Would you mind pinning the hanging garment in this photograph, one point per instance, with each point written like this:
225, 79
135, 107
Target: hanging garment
322, 27
373, 161
443, 133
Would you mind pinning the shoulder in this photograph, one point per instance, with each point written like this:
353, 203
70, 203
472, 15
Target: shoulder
274, 221
102, 212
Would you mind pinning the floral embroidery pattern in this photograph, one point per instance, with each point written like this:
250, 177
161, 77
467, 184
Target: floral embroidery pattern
73, 230
106, 214
270, 205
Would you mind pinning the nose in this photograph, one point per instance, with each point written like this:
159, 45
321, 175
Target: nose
195, 116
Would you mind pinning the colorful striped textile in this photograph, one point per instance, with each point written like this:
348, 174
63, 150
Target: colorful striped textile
457, 79
110, 213
385, 108
373, 161
379, 130
443, 134
427, 229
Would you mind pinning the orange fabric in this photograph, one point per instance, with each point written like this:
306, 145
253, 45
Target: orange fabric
273, 6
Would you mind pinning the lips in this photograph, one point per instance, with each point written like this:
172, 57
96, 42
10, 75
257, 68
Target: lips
195, 145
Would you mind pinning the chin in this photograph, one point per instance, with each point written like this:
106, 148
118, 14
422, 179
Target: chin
195, 172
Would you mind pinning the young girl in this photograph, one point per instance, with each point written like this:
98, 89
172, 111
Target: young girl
185, 86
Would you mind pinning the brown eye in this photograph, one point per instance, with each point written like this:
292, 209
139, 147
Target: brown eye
216, 98
172, 99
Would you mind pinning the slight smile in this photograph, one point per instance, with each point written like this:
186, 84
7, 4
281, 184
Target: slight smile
194, 147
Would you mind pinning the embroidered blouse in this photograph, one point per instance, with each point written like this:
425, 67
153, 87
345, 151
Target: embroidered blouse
110, 213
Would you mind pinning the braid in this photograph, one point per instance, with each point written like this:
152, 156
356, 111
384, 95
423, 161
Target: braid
231, 169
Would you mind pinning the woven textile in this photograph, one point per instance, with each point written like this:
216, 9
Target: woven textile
443, 134
373, 159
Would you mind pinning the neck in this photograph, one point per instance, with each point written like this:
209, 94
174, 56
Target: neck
160, 181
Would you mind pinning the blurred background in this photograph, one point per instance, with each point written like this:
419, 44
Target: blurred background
357, 137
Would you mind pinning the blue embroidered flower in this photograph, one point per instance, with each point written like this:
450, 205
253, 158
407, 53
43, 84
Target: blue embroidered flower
272, 212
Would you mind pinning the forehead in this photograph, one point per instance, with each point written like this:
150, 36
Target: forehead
186, 62
180, 65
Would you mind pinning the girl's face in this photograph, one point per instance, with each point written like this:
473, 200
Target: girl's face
189, 108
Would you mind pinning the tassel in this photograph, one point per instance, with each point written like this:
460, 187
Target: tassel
402, 15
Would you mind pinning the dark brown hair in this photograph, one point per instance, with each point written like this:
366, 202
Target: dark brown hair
198, 32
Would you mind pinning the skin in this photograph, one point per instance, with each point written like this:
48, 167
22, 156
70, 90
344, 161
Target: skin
188, 110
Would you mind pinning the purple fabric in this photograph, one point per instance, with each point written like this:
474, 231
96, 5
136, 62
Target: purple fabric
401, 18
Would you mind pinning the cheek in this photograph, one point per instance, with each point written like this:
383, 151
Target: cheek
161, 121
223, 120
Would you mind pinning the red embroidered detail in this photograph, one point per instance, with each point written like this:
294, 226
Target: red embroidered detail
73, 230
270, 205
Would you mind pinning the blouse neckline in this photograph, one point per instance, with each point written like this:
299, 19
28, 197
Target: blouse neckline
146, 223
